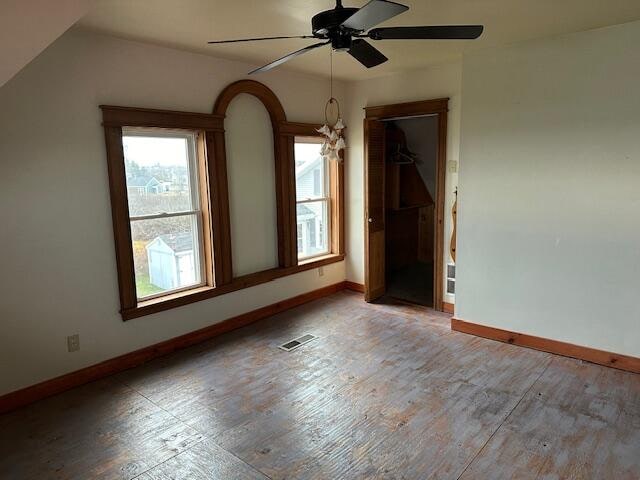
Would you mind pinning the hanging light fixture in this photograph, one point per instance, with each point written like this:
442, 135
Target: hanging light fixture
332, 131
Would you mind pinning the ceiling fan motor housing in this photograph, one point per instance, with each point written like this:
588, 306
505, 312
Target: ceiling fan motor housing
341, 42
326, 24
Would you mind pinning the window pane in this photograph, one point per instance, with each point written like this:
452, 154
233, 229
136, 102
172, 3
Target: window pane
166, 254
157, 171
313, 231
310, 171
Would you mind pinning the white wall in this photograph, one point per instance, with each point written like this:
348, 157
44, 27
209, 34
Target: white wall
58, 262
435, 82
549, 217
251, 177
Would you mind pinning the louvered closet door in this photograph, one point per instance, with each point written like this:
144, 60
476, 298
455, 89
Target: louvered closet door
374, 210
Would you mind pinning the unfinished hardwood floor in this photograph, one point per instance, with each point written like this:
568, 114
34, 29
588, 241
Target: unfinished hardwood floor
386, 391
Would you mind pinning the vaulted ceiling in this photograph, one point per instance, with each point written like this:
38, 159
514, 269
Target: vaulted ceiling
27, 27
189, 24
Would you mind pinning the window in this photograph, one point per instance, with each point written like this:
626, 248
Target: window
164, 210
169, 186
312, 199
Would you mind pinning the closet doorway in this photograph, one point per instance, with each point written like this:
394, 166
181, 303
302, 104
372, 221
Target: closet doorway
405, 157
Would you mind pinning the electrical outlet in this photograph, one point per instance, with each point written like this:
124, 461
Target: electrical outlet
320, 271
73, 343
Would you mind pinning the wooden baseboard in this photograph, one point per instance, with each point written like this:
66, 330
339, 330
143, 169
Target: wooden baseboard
601, 357
25, 396
447, 307
356, 287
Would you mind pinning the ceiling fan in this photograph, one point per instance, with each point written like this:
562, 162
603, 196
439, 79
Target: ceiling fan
346, 27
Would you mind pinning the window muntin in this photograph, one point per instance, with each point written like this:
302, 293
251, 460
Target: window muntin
164, 210
312, 199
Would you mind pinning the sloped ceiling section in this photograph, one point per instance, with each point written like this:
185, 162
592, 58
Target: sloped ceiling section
27, 27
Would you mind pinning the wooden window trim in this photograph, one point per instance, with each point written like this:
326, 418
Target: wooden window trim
215, 199
114, 120
239, 283
283, 170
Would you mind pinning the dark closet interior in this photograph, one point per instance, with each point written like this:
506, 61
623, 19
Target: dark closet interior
410, 173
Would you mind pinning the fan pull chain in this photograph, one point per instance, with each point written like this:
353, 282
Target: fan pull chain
330, 72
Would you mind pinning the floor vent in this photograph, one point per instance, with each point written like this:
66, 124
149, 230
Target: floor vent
293, 344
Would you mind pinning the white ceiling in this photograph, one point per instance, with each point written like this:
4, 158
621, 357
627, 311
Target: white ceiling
189, 24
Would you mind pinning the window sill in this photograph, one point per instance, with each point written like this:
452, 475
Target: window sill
179, 299
319, 259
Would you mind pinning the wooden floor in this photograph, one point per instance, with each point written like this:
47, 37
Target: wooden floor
385, 392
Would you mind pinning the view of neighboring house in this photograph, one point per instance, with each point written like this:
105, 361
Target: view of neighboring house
309, 226
144, 185
171, 261
309, 178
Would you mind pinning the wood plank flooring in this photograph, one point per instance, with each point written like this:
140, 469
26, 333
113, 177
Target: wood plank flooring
386, 391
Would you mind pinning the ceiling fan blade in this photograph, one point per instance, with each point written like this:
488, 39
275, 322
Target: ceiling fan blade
373, 13
440, 32
286, 58
257, 39
366, 54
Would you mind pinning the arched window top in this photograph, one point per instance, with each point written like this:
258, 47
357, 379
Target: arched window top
258, 90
